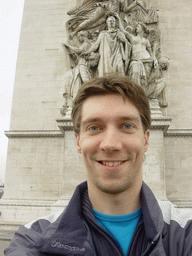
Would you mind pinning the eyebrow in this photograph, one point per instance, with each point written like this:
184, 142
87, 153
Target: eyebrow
121, 118
91, 120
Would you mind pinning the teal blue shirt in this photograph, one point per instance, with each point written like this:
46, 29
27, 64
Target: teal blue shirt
121, 227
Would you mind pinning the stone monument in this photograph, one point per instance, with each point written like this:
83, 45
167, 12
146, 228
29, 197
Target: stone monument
64, 43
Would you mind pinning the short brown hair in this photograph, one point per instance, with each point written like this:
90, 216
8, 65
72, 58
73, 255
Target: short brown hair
112, 84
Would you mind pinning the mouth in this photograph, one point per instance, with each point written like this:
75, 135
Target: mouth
111, 163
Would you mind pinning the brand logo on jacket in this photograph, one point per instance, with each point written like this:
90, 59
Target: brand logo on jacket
65, 246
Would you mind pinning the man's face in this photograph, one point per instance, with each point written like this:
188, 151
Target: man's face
112, 142
111, 22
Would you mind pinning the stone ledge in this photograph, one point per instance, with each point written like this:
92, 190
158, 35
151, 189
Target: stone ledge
33, 134
35, 203
67, 125
9, 227
160, 123
64, 124
179, 133
6, 235
181, 202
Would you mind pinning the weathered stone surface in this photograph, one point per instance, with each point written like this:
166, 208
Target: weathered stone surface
34, 168
178, 156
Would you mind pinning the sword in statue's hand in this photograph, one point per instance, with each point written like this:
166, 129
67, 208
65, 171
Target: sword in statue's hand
141, 6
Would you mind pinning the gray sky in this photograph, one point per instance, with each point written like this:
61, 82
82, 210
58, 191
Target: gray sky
10, 24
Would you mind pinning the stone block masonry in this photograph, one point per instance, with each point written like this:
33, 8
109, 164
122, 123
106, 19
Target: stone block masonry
34, 168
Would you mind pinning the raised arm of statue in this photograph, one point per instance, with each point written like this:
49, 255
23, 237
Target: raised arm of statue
148, 48
121, 27
93, 48
130, 7
73, 48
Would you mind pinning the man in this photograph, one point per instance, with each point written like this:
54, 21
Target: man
113, 48
114, 212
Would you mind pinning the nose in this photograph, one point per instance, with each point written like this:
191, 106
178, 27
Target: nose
111, 140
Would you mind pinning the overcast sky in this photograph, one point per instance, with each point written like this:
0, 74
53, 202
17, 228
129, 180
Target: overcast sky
10, 25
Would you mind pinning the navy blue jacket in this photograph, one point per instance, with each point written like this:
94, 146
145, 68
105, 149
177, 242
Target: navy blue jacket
162, 230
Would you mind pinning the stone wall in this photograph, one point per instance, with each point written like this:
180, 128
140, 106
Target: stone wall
178, 161
176, 26
74, 169
35, 161
34, 168
38, 90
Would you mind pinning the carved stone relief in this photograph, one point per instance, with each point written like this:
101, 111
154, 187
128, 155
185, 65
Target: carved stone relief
113, 36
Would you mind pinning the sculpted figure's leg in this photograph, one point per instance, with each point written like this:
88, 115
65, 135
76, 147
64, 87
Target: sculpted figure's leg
94, 21
148, 67
134, 72
85, 73
120, 67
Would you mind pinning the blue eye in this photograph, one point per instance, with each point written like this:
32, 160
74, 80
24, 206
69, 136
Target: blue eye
94, 128
128, 126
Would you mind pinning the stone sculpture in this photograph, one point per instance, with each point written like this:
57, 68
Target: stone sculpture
142, 58
91, 14
111, 36
144, 67
142, 12
80, 71
113, 49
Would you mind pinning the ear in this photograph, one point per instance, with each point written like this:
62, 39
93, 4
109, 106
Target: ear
146, 138
78, 142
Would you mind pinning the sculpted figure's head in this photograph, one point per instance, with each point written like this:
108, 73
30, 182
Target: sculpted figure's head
164, 62
110, 85
111, 22
111, 19
141, 27
82, 35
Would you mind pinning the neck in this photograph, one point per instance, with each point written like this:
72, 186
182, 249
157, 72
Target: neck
115, 204
111, 29
140, 35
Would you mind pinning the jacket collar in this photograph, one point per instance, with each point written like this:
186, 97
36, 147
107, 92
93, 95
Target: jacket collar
153, 222
68, 235
152, 215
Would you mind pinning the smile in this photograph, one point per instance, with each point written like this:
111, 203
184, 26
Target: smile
111, 164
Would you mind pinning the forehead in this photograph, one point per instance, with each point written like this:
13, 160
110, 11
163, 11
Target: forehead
111, 18
109, 108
